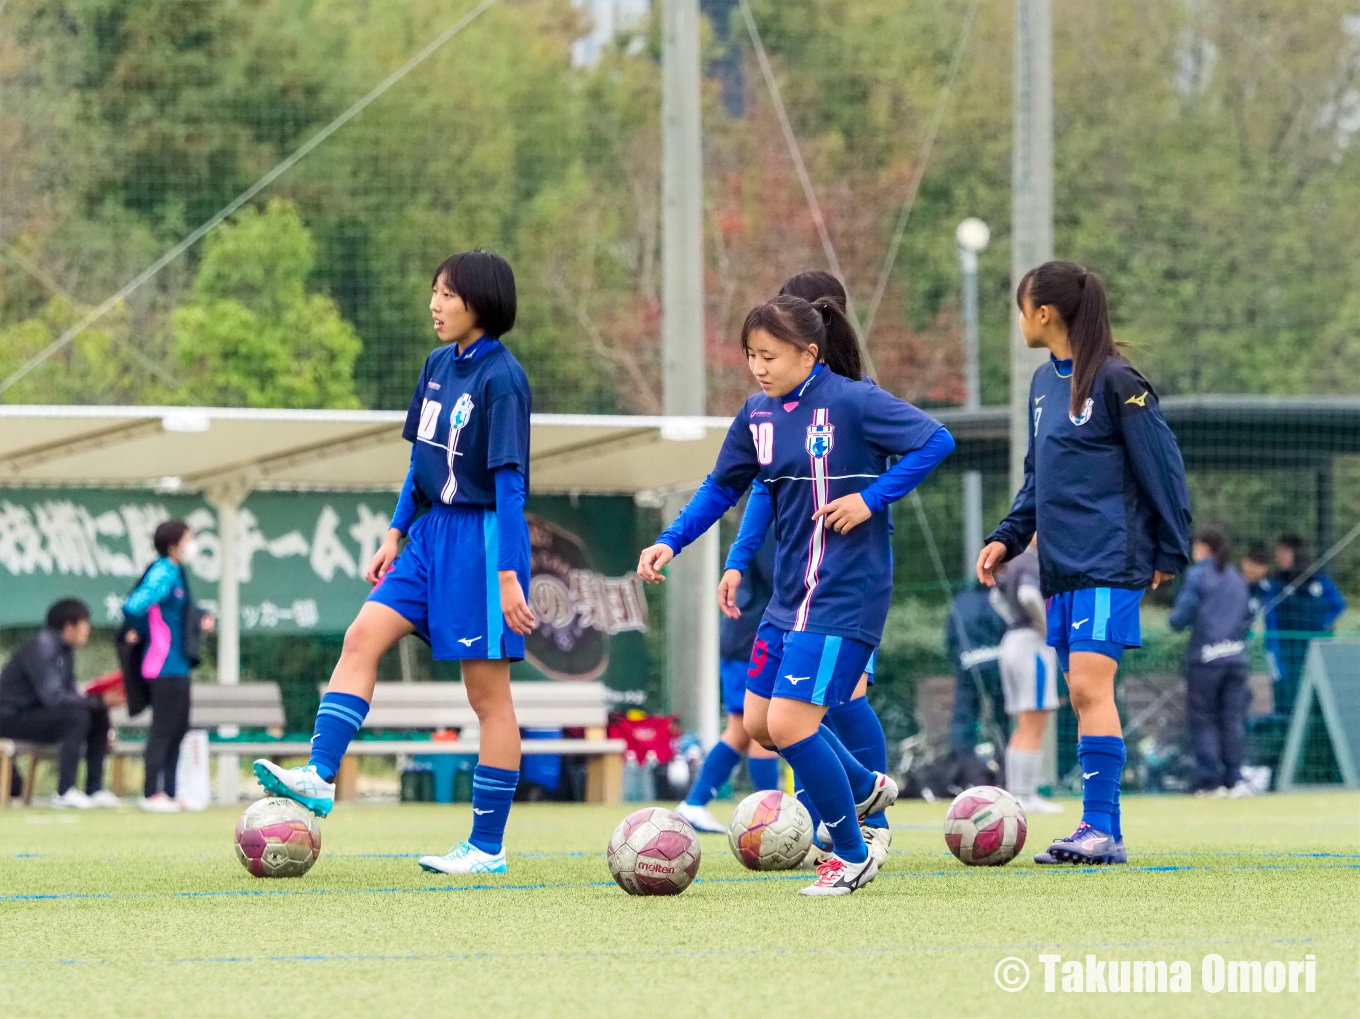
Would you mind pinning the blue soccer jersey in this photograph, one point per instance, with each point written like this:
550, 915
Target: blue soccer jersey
830, 437
469, 415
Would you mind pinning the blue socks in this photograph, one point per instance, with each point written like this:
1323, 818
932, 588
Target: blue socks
492, 791
862, 734
764, 772
717, 767
1102, 763
823, 778
802, 796
861, 778
337, 720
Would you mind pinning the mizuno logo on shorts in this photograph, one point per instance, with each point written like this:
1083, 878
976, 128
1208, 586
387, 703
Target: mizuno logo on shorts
468, 641
796, 679
1079, 622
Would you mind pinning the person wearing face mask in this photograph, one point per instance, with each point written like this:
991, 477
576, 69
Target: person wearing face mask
165, 622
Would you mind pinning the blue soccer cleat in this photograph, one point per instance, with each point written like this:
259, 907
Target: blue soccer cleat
465, 858
301, 785
1087, 846
1045, 858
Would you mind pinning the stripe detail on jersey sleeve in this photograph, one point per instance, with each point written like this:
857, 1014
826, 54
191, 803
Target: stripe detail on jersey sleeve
817, 543
495, 622
826, 669
1100, 626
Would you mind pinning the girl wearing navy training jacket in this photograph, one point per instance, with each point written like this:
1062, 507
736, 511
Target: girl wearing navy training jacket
819, 440
1105, 487
460, 582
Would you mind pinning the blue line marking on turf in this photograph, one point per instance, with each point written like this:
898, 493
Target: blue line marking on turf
418, 889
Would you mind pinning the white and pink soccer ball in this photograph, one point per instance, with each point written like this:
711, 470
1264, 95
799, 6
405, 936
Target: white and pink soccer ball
985, 826
770, 830
654, 851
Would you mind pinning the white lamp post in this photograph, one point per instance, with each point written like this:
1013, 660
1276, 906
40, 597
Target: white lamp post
971, 236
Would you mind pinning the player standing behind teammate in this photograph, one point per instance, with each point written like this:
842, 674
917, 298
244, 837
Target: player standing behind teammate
460, 582
736, 636
819, 440
854, 723
1029, 676
1105, 486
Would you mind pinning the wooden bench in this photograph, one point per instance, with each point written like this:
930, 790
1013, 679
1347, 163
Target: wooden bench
247, 706
538, 705
406, 706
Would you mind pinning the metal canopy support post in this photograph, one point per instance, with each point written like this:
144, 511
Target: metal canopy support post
972, 479
226, 497
691, 615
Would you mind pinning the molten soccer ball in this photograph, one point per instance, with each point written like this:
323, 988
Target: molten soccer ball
654, 852
985, 826
770, 830
277, 838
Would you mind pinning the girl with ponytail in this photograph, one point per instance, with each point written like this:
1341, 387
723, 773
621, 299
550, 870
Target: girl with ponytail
1105, 488
854, 722
819, 439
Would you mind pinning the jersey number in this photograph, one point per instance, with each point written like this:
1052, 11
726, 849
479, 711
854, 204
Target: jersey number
429, 419
1037, 412
763, 436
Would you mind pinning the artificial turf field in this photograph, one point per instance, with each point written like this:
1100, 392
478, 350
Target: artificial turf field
123, 913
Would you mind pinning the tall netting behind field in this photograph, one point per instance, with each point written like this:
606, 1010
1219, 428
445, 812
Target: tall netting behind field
1204, 164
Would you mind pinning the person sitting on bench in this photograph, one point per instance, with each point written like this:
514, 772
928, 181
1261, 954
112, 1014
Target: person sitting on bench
39, 703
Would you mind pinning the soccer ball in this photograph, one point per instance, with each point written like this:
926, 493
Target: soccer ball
654, 852
985, 826
277, 838
770, 830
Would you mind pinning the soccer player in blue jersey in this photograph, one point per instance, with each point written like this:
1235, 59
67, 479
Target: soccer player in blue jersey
1105, 486
819, 440
460, 582
854, 722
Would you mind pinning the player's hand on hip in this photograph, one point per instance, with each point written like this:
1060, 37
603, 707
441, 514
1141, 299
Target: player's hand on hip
382, 559
845, 513
513, 606
1159, 578
652, 560
727, 593
991, 555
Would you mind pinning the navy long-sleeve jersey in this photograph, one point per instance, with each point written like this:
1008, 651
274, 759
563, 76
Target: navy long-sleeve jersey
1106, 489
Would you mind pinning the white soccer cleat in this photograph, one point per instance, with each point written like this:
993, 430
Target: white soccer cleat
879, 841
836, 877
1242, 789
159, 804
816, 856
701, 819
465, 858
73, 797
301, 785
883, 796
104, 798
1039, 805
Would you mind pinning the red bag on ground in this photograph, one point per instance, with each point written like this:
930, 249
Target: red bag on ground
652, 732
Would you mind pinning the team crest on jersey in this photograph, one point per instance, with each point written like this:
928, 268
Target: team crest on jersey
462, 412
820, 439
1085, 413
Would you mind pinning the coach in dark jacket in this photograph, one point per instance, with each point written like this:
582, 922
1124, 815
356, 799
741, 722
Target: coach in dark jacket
39, 701
1214, 604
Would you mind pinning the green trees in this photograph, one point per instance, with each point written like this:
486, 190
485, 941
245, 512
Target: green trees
1205, 164
250, 334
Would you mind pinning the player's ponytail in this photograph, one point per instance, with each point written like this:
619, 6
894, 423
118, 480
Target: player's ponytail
822, 325
841, 349
1079, 297
1217, 543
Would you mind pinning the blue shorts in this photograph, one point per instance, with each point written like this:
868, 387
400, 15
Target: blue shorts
732, 671
1099, 619
447, 585
802, 666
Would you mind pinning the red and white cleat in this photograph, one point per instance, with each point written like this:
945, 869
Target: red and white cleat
837, 877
